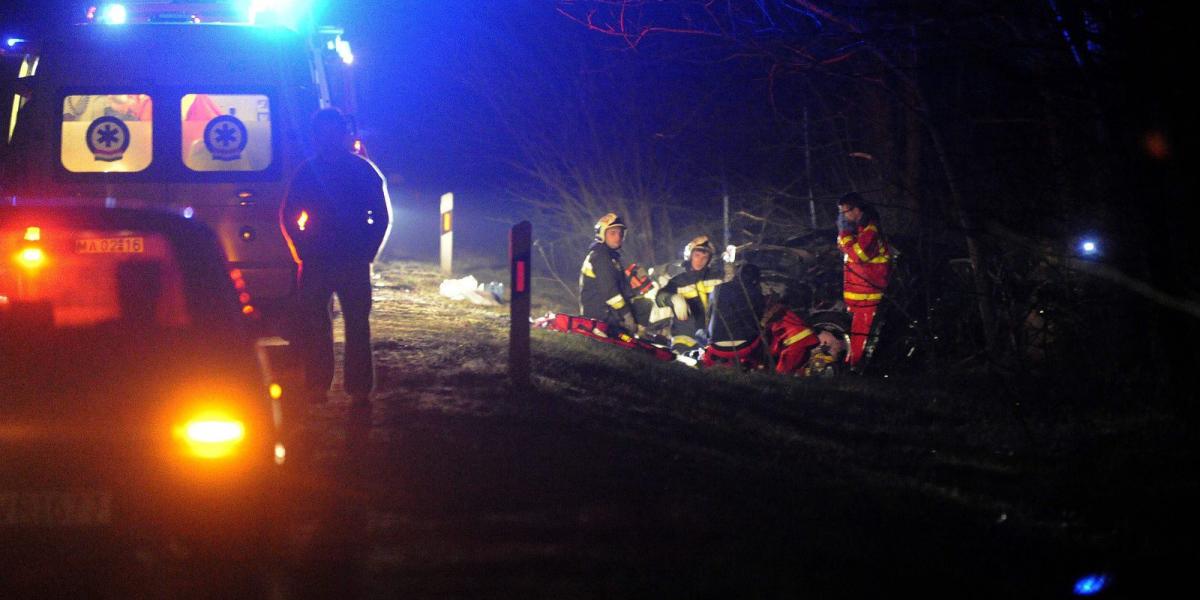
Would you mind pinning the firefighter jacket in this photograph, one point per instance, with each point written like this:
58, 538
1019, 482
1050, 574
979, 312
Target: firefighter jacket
336, 210
866, 265
737, 311
604, 291
695, 287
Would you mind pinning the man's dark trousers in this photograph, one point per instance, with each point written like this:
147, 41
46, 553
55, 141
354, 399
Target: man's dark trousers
351, 281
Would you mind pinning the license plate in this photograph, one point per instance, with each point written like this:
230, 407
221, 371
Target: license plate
116, 245
75, 508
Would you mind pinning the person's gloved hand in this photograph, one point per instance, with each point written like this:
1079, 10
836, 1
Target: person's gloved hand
663, 298
843, 224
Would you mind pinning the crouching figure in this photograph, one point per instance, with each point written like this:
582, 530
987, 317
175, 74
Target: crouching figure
735, 330
687, 295
796, 348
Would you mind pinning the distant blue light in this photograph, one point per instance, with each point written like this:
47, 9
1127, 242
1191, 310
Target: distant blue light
1089, 247
114, 14
189, 212
1090, 585
12, 42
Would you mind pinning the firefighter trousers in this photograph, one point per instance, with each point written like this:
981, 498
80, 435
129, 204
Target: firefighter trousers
860, 330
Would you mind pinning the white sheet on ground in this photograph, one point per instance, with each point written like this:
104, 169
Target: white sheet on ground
469, 289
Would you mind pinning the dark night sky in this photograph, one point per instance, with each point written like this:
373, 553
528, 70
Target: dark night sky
436, 76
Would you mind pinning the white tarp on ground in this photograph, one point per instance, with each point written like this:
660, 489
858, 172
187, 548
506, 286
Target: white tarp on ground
468, 288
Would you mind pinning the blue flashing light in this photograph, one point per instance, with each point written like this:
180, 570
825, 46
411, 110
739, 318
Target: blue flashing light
12, 42
114, 14
282, 12
1090, 585
1089, 247
189, 212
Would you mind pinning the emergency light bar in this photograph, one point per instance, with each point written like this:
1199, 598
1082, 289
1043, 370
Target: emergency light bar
288, 13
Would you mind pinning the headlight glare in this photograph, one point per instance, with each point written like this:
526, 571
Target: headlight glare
211, 435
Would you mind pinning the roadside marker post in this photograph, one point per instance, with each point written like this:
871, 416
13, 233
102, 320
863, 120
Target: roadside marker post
519, 242
447, 226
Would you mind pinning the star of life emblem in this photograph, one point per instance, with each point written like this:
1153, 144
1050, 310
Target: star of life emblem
108, 138
225, 137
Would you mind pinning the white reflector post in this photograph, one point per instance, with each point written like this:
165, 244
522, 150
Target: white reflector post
447, 225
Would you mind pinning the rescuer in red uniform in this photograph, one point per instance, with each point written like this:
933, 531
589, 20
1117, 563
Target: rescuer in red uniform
797, 348
791, 339
336, 216
867, 266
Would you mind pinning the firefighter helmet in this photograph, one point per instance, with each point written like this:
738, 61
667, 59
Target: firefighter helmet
700, 242
606, 222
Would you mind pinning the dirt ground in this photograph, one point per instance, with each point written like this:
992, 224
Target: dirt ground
619, 477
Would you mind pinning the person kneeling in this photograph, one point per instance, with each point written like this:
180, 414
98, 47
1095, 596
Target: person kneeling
687, 295
798, 349
735, 333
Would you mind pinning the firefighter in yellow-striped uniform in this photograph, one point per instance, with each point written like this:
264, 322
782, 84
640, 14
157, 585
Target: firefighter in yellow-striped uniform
604, 291
688, 293
867, 264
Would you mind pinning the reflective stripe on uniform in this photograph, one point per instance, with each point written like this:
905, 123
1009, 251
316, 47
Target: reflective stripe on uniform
706, 287
617, 302
586, 269
859, 251
799, 336
687, 291
684, 340
859, 296
882, 258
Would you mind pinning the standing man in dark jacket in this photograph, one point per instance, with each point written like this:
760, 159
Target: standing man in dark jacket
688, 294
336, 217
736, 328
604, 291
